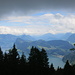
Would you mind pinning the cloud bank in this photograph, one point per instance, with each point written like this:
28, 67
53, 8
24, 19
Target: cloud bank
37, 25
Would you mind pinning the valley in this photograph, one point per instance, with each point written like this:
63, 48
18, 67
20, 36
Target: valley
56, 45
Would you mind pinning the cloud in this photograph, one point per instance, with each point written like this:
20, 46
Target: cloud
36, 25
24, 7
17, 16
12, 30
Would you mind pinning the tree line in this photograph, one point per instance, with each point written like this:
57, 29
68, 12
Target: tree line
12, 63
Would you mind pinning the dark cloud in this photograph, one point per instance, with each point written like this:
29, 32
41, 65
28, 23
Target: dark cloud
24, 7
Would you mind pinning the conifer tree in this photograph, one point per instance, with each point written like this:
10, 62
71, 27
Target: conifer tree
5, 58
52, 70
67, 65
67, 68
14, 52
34, 57
13, 55
44, 58
23, 59
38, 58
1, 56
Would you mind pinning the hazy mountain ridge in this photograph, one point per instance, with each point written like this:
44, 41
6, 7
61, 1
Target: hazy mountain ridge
71, 38
54, 47
49, 36
7, 40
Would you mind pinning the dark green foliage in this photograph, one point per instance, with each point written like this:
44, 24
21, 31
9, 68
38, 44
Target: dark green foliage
67, 65
52, 70
44, 58
1, 55
13, 55
11, 63
38, 58
33, 58
68, 70
23, 59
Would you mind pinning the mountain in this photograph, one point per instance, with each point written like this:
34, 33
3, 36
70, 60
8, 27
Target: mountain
54, 47
49, 36
66, 36
7, 40
46, 37
70, 57
71, 38
27, 37
59, 35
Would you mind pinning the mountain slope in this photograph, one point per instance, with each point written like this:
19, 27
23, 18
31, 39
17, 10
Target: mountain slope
71, 38
7, 40
55, 47
46, 37
70, 57
66, 36
27, 37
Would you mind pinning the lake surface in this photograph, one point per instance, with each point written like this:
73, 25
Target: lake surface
56, 61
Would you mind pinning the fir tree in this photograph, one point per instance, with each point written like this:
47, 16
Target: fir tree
44, 58
13, 56
1, 56
23, 59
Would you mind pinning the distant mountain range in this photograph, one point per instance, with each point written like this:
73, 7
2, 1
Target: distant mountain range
46, 37
61, 36
7, 41
54, 44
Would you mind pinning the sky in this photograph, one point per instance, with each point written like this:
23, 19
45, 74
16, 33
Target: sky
37, 17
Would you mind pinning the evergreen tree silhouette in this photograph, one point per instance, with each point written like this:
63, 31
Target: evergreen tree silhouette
23, 59
33, 58
1, 61
44, 58
13, 55
38, 61
67, 68
1, 56
52, 70
5, 58
12, 63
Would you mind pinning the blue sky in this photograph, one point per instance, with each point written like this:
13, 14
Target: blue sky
37, 17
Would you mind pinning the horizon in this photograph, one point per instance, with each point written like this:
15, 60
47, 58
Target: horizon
37, 35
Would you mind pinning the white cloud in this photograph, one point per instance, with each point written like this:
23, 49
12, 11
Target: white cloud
12, 30
47, 23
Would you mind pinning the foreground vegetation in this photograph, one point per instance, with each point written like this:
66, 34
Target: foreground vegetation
12, 63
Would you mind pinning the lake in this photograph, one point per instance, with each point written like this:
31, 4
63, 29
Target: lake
56, 61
